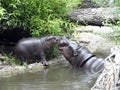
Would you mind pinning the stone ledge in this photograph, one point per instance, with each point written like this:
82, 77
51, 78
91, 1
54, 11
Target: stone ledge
97, 39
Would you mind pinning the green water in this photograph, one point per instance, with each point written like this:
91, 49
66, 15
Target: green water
58, 77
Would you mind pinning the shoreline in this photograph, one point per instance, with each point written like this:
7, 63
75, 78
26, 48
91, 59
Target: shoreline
8, 71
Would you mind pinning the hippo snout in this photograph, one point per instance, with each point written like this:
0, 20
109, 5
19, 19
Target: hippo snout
62, 42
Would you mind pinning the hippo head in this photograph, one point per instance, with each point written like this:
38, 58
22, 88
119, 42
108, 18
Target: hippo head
66, 50
51, 40
67, 47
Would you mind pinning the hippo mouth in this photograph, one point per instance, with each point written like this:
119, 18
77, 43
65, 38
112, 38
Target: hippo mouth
61, 48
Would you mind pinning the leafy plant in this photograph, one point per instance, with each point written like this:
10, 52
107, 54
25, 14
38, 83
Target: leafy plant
8, 59
42, 17
2, 12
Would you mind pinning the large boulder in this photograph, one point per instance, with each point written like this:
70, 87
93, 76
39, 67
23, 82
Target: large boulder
96, 39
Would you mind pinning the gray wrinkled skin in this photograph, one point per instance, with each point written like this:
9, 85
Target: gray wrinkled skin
34, 47
80, 57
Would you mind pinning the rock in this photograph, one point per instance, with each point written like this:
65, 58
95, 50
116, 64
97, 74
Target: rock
95, 29
98, 41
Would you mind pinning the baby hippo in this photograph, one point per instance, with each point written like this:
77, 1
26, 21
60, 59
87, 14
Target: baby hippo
80, 57
28, 48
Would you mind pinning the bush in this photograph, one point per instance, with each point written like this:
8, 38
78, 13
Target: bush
42, 17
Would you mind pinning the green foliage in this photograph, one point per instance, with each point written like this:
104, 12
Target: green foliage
117, 3
2, 12
116, 28
116, 34
10, 59
43, 17
53, 50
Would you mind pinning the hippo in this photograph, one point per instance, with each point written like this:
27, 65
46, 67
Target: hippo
32, 47
80, 57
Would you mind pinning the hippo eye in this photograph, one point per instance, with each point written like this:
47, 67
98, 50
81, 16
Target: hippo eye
75, 52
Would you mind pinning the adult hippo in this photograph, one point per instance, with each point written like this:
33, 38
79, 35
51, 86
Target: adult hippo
80, 57
28, 48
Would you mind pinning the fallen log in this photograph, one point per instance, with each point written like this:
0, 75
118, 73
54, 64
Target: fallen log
95, 16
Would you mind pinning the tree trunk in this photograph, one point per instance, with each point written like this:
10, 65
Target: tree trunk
94, 16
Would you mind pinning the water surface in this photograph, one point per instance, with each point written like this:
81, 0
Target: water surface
57, 77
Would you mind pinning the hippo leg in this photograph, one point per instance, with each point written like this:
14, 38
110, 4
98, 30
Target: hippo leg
43, 59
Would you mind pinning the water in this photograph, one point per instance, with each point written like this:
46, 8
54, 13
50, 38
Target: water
58, 77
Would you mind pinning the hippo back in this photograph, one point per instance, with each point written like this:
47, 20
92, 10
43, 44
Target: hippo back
94, 64
29, 47
88, 61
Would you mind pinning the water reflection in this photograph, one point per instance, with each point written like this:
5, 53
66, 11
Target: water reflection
59, 77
